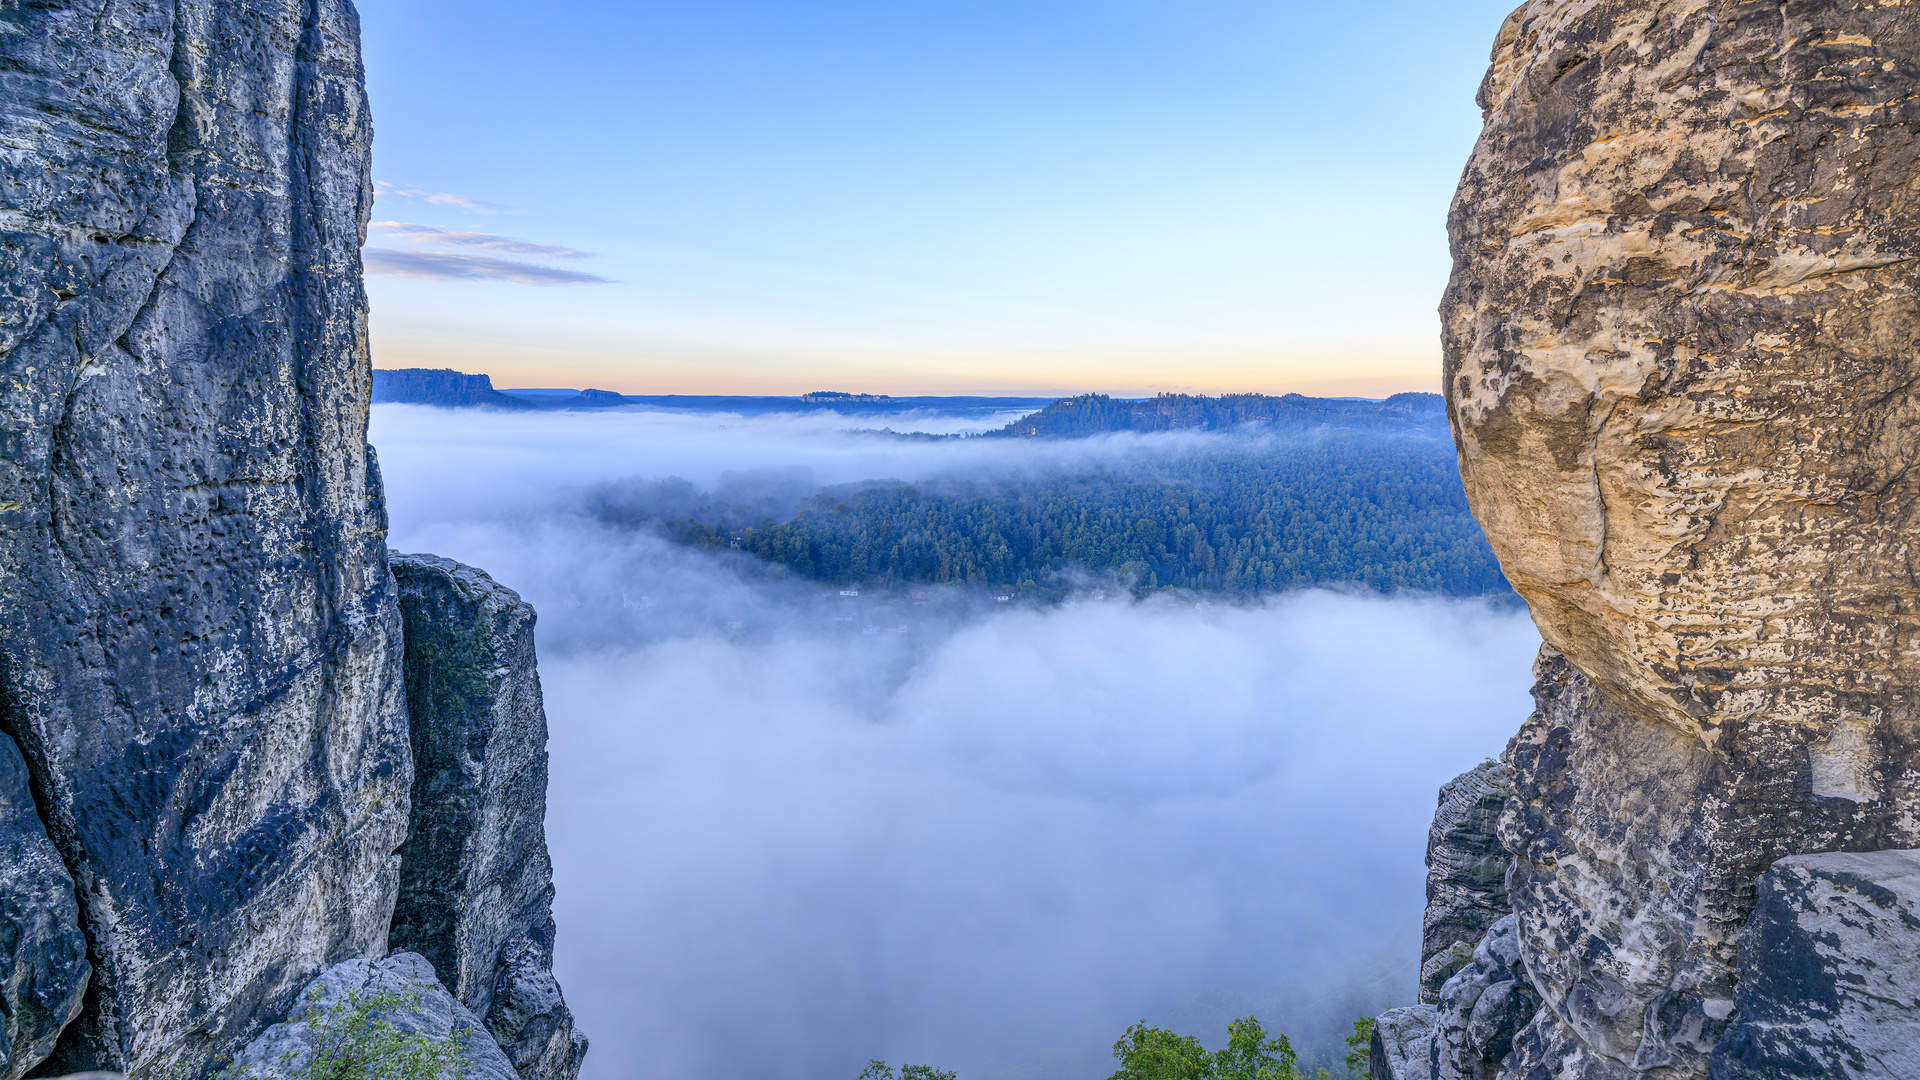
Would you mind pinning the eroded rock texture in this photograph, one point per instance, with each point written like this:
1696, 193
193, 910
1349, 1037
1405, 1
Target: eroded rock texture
284, 1049
1402, 1044
1466, 874
43, 954
200, 639
1680, 357
476, 886
1829, 972
1483, 1008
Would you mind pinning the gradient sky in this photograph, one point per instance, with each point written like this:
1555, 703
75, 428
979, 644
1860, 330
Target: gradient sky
1043, 196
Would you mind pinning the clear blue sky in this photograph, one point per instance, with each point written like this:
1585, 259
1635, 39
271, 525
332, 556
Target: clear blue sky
924, 196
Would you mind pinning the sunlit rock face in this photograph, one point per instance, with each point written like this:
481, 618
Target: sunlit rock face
1681, 355
200, 635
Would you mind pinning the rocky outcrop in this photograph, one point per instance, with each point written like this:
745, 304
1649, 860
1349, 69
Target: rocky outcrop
425, 1008
1829, 972
1401, 1047
444, 387
476, 886
43, 954
201, 645
1466, 874
1680, 352
1483, 1008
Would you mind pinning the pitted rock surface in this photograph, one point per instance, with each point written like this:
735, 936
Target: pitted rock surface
1829, 972
283, 1049
1402, 1044
1466, 874
43, 954
476, 885
1482, 1008
1681, 344
199, 630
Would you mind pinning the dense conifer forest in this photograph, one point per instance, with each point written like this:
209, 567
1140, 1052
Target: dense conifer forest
1245, 515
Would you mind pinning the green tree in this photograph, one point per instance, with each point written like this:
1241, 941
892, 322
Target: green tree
880, 1070
1250, 1055
1158, 1054
1360, 1047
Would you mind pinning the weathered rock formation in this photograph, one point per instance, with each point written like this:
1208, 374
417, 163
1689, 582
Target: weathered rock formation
200, 641
281, 1050
1402, 1044
43, 954
1829, 972
1482, 1009
1681, 344
199, 632
476, 887
1466, 874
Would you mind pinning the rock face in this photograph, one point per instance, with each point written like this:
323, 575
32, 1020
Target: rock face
43, 954
1466, 874
1680, 344
1482, 1009
1402, 1044
201, 644
282, 1049
1829, 972
476, 887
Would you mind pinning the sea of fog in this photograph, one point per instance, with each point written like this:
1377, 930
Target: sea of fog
794, 831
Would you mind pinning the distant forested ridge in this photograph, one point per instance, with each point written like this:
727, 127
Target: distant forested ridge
1093, 414
1384, 512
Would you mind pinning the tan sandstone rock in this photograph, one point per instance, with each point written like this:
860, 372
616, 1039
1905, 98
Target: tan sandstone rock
1681, 358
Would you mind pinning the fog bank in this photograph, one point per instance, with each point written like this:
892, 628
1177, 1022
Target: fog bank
793, 831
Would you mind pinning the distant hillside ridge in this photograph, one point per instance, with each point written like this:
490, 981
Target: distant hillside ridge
1094, 414
444, 387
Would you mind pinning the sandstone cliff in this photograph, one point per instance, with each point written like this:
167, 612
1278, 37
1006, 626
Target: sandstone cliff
1680, 351
200, 641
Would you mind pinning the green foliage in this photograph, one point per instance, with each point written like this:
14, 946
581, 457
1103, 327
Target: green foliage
880, 1070
1385, 513
355, 1038
1359, 1047
1147, 1053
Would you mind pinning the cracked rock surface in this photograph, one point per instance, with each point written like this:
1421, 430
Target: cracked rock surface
43, 954
1466, 874
1682, 340
476, 885
201, 644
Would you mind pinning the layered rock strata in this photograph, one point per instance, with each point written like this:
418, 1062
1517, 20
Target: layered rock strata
283, 1051
43, 954
1466, 874
1680, 351
476, 886
200, 639
1829, 972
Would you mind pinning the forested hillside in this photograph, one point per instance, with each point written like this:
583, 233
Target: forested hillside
1387, 513
1094, 414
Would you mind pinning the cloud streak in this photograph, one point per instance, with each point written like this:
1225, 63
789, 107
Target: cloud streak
448, 266
784, 844
431, 234
383, 189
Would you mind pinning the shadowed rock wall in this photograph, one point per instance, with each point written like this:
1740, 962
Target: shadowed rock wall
199, 632
476, 886
1682, 338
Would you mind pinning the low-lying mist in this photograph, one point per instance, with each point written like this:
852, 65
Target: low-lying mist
793, 830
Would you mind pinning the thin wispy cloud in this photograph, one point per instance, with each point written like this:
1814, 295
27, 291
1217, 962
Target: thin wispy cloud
383, 189
448, 266
433, 234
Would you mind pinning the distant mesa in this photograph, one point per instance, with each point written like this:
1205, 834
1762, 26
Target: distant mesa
451, 389
836, 397
1095, 414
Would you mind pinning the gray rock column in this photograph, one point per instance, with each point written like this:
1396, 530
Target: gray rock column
1829, 972
198, 627
1466, 874
1402, 1045
1482, 1010
476, 886
43, 954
